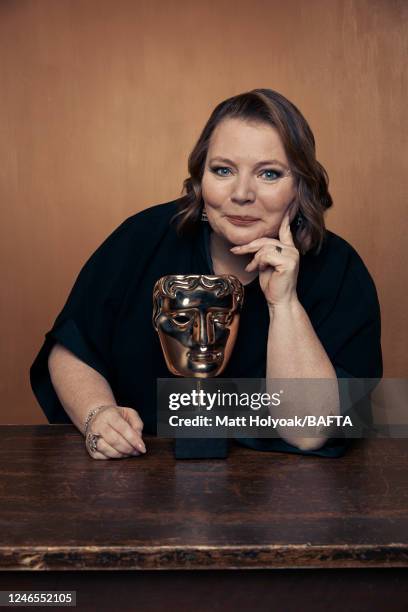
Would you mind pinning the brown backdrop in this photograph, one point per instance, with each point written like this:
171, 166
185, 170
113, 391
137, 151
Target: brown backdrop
101, 101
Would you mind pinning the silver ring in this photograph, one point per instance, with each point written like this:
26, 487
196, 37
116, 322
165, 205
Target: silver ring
92, 442
279, 249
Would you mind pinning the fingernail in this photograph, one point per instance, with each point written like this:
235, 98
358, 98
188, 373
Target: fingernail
234, 248
142, 448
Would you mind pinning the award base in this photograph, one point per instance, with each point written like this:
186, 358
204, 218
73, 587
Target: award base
201, 448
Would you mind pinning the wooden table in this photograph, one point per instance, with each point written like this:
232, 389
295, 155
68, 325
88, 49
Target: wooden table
267, 531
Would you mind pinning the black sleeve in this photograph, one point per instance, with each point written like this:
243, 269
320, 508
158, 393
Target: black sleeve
351, 335
84, 325
351, 330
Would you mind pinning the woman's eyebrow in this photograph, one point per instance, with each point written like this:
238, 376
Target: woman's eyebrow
264, 162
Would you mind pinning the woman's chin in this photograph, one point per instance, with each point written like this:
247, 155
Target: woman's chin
242, 235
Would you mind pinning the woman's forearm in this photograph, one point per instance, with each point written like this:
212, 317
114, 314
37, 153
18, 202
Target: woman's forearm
78, 386
294, 351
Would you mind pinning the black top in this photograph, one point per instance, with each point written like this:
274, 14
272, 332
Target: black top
107, 319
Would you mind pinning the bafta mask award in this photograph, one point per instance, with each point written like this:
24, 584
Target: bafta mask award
197, 317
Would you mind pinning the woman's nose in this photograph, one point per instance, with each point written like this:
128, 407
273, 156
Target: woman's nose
243, 191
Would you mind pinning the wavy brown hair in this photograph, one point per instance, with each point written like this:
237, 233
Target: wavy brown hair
311, 179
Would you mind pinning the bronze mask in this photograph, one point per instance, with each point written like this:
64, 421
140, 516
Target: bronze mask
197, 319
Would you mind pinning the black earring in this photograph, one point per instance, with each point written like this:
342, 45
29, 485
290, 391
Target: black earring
299, 220
204, 215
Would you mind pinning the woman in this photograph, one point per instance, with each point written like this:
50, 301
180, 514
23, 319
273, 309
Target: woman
254, 207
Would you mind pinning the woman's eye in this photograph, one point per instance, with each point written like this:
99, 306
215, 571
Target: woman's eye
271, 175
221, 171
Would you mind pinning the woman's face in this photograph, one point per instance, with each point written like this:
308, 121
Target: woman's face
245, 187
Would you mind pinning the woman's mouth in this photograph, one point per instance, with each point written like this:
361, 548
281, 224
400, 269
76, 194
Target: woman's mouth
241, 220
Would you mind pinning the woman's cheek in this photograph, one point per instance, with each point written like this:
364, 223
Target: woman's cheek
277, 201
213, 191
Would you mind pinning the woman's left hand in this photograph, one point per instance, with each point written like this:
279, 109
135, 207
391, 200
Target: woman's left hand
277, 262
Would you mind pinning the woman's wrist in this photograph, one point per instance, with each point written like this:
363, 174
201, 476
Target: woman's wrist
92, 414
290, 306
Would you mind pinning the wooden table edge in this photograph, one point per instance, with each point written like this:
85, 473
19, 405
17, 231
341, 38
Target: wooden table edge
204, 557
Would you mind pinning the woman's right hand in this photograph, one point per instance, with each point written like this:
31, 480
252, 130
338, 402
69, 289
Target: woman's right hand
120, 429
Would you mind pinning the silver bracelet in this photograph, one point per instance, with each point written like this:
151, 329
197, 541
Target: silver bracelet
91, 415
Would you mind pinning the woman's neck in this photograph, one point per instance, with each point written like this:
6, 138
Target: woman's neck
225, 262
